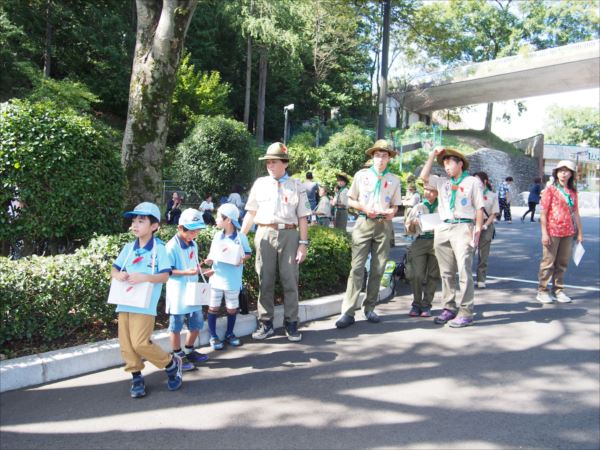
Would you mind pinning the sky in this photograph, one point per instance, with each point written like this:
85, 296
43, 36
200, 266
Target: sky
531, 122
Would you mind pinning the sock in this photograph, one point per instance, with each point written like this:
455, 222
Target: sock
177, 351
170, 365
188, 349
230, 324
136, 374
212, 324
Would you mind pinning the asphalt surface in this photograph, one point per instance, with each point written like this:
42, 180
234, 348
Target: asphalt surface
526, 375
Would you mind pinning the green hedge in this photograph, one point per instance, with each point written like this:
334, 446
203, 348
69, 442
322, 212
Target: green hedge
45, 298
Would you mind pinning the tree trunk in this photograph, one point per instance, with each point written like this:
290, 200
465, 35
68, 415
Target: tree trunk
161, 29
382, 101
248, 82
488, 117
48, 40
262, 90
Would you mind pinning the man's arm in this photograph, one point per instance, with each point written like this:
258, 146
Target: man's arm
248, 221
426, 171
302, 248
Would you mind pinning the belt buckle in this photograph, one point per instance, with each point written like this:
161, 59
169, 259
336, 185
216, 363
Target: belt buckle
281, 226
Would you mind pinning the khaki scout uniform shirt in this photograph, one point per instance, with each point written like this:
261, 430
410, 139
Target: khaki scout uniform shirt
363, 190
276, 202
341, 198
469, 197
414, 214
324, 207
490, 203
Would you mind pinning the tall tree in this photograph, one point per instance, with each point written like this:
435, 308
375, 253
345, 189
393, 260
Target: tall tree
161, 30
573, 126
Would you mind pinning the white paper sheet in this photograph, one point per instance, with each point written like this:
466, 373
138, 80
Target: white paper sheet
225, 250
578, 252
429, 221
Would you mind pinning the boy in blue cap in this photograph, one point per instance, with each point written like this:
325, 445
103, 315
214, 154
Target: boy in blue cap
144, 260
183, 255
227, 278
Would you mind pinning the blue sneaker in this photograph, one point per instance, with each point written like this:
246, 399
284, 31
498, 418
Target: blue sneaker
186, 365
216, 343
461, 322
344, 321
138, 387
196, 357
372, 317
174, 374
233, 340
445, 316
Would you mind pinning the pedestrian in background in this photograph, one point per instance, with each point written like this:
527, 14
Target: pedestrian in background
375, 194
535, 191
560, 223
504, 199
323, 211
279, 207
490, 209
340, 201
207, 207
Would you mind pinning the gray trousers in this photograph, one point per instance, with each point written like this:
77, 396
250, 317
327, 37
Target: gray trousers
276, 249
423, 268
483, 252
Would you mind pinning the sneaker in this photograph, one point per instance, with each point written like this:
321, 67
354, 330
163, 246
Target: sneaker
444, 317
344, 321
372, 317
425, 312
233, 340
196, 357
461, 322
291, 330
415, 311
544, 297
138, 387
481, 285
174, 374
561, 297
216, 343
265, 329
186, 365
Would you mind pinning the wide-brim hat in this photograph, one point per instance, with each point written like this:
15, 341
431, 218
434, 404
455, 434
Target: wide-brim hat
343, 176
144, 209
276, 151
447, 151
192, 219
382, 145
568, 164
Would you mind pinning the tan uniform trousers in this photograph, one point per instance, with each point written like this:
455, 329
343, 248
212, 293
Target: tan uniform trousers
277, 249
555, 260
368, 236
423, 269
455, 254
483, 252
135, 331
341, 218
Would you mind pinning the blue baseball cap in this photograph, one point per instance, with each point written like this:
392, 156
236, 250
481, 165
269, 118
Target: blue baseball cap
144, 209
192, 219
230, 211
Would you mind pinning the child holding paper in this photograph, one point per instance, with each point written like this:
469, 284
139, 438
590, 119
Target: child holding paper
183, 255
560, 222
143, 260
228, 251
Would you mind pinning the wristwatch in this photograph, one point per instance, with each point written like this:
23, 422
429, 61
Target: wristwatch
305, 242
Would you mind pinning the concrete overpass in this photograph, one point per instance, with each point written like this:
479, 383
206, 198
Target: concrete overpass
567, 68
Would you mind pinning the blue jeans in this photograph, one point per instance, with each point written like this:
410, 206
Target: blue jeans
195, 321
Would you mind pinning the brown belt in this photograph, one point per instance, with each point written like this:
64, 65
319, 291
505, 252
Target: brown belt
278, 226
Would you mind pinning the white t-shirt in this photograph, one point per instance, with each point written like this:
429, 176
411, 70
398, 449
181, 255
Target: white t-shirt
207, 206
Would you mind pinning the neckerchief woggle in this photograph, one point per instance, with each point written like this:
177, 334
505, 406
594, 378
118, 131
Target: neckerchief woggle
455, 184
431, 206
568, 197
379, 178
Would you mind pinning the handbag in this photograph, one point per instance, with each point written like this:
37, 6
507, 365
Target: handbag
138, 295
195, 293
243, 299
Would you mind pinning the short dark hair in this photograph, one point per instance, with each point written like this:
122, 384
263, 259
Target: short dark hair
509, 179
309, 175
152, 220
537, 180
454, 158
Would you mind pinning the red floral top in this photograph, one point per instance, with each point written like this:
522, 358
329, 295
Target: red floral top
559, 222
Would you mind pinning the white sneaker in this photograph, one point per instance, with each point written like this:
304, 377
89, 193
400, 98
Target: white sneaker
481, 285
561, 297
544, 297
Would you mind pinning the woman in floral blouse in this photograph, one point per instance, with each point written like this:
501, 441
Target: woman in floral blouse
561, 224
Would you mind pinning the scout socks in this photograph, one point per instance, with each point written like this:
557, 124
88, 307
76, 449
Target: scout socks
230, 324
212, 324
188, 349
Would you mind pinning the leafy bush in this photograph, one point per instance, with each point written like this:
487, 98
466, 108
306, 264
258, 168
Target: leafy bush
345, 150
65, 171
304, 158
216, 155
44, 298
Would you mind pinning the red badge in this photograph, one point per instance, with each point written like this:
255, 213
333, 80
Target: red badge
138, 259
485, 197
454, 187
129, 288
385, 185
192, 254
461, 189
284, 199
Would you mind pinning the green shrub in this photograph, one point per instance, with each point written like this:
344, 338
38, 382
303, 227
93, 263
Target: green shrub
67, 173
304, 158
216, 155
345, 150
45, 298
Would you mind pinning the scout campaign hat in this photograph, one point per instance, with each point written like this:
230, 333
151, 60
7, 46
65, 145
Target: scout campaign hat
447, 151
144, 209
384, 146
568, 164
343, 176
192, 219
276, 151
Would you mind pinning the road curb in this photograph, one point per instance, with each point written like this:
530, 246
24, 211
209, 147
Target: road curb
56, 365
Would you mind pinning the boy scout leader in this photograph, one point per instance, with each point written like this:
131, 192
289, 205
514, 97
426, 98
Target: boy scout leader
279, 206
375, 194
461, 211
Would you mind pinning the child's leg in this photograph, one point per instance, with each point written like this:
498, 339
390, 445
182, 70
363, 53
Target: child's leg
133, 361
141, 327
195, 323
232, 303
175, 327
213, 309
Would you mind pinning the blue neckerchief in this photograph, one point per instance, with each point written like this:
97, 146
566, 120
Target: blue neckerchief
284, 178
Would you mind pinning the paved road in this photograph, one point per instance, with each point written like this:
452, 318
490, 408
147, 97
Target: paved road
525, 376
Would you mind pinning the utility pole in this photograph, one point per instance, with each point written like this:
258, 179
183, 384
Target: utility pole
382, 116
